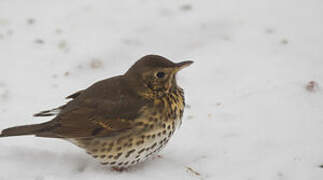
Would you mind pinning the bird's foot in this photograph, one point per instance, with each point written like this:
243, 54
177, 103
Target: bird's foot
118, 169
157, 156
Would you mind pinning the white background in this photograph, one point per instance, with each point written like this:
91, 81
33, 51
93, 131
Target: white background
250, 115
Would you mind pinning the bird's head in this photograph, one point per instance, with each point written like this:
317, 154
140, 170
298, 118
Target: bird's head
156, 73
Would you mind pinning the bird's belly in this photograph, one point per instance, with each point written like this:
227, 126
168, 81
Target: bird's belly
127, 151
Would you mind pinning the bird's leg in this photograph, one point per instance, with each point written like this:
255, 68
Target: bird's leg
119, 169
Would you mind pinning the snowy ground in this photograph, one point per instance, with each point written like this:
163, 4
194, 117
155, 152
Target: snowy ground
251, 116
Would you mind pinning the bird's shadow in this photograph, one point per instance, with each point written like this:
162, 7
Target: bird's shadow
39, 158
75, 162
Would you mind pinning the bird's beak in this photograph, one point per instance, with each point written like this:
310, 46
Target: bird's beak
182, 65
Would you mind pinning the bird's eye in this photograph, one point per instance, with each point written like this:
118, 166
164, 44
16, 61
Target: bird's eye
160, 74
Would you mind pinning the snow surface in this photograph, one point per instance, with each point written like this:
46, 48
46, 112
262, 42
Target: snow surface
250, 115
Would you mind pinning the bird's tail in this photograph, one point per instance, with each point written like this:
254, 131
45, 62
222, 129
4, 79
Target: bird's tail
23, 130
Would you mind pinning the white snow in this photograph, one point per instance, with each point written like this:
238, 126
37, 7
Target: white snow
250, 117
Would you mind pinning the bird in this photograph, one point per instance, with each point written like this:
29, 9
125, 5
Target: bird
120, 121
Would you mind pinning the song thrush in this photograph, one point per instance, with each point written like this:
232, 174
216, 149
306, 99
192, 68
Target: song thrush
120, 121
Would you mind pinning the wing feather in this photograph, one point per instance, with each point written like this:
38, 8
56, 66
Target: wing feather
104, 109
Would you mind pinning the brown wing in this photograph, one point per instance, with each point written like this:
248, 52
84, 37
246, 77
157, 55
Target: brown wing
105, 108
55, 111
75, 95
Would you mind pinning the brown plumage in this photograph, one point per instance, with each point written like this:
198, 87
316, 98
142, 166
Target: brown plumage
121, 120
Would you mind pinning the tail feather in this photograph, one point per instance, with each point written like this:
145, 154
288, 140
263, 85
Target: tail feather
23, 130
51, 112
